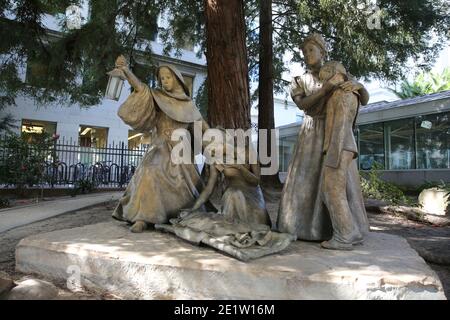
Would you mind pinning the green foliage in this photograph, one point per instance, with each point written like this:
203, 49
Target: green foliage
201, 99
83, 187
23, 159
405, 32
122, 26
374, 187
7, 122
71, 67
4, 203
424, 83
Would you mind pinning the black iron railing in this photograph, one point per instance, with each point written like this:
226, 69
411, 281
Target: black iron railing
69, 164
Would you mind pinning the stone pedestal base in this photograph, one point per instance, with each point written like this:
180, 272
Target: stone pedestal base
153, 265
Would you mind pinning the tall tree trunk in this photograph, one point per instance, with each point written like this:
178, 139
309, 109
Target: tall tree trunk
228, 84
265, 90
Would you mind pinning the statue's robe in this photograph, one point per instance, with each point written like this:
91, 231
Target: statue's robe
159, 188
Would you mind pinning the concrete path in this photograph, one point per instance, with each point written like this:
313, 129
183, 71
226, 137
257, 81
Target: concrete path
16, 217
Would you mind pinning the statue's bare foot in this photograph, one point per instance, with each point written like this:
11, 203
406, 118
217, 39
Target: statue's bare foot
335, 245
139, 226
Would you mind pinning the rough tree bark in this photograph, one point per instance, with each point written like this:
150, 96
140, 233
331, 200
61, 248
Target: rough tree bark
265, 90
226, 54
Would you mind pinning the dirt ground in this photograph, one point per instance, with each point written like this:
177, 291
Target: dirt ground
429, 241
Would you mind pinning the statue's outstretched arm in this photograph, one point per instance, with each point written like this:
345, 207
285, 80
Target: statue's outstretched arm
122, 64
133, 80
206, 193
252, 176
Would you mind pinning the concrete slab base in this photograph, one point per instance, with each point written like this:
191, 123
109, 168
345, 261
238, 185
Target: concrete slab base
154, 265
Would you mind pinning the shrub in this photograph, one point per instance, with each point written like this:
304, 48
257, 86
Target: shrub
375, 188
23, 159
4, 203
82, 187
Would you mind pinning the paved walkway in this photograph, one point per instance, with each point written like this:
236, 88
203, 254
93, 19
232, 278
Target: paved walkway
17, 217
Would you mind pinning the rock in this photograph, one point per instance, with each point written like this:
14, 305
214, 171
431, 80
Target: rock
33, 289
434, 201
433, 257
6, 284
374, 205
153, 265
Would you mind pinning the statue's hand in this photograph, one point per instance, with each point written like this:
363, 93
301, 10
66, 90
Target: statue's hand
337, 79
121, 62
351, 85
328, 86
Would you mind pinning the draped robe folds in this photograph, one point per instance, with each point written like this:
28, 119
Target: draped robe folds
302, 211
159, 188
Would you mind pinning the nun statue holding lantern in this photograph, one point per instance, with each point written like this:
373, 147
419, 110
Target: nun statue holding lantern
159, 188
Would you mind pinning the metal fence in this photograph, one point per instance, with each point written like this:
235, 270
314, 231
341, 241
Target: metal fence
69, 163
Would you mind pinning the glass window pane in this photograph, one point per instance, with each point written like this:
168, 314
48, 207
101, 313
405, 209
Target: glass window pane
371, 143
286, 149
433, 141
31, 128
400, 144
94, 137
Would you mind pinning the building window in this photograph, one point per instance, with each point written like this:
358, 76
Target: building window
433, 141
31, 128
400, 148
286, 149
94, 137
371, 145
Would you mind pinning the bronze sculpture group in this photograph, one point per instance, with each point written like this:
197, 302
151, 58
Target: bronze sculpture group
321, 198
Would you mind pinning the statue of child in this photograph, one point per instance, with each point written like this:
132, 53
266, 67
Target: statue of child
340, 149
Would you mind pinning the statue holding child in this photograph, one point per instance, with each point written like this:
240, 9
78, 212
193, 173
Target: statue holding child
321, 198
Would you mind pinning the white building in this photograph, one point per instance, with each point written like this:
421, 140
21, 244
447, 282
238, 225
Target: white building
98, 125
